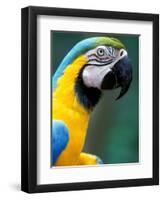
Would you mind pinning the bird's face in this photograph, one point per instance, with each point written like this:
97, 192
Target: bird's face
107, 68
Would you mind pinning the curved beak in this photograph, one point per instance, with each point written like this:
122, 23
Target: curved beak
119, 76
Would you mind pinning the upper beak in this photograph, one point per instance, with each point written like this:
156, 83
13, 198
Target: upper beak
119, 76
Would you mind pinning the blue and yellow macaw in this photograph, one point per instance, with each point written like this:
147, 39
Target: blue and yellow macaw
92, 65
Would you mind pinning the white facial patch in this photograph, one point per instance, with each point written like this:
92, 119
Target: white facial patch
93, 75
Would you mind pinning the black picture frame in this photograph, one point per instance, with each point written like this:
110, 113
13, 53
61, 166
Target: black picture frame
29, 98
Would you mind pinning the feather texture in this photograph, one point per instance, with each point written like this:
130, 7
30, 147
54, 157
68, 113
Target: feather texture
67, 107
60, 138
72, 104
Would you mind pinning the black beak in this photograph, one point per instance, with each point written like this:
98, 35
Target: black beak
119, 76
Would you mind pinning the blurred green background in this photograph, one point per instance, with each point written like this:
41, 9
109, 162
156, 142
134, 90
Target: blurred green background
113, 132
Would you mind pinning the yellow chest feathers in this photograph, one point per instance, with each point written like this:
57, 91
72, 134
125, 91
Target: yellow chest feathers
66, 107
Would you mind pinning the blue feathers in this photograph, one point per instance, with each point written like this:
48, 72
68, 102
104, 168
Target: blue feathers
79, 49
60, 138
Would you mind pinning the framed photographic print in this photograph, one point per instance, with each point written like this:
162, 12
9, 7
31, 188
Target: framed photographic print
90, 99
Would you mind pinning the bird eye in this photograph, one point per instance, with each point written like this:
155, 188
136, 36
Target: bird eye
100, 52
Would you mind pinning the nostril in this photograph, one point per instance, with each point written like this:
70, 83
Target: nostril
121, 53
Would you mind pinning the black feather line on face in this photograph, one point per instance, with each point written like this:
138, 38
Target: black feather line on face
97, 58
88, 97
102, 64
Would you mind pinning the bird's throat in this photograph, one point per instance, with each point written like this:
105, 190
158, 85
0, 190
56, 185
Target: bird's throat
88, 97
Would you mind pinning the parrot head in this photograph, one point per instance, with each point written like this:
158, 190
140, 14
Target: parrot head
107, 67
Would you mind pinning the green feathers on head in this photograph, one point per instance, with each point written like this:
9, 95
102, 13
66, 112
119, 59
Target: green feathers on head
110, 41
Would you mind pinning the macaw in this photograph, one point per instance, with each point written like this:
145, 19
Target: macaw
93, 65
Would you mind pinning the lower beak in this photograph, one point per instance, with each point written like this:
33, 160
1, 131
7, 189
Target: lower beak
119, 76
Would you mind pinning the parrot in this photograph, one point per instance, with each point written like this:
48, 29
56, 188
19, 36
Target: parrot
91, 67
